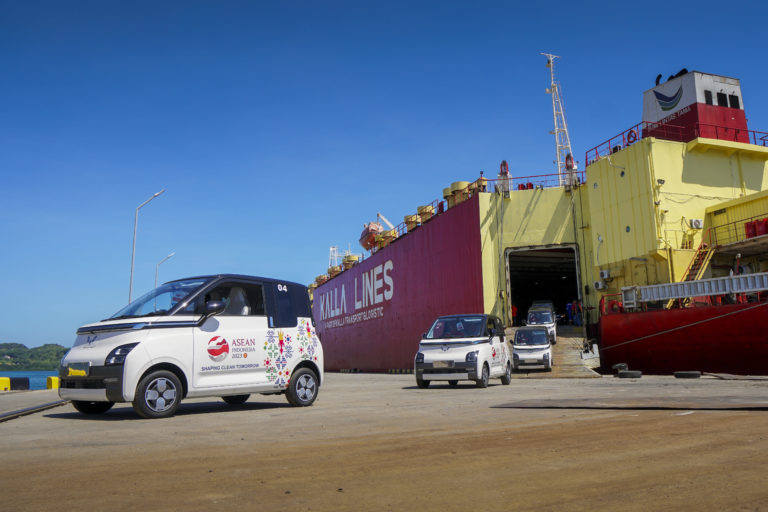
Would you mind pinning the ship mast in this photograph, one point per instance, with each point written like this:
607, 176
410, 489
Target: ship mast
565, 164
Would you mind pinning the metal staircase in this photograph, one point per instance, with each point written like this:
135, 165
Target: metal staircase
696, 268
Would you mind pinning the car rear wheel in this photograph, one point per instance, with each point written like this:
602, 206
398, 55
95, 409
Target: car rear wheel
302, 388
423, 384
453, 383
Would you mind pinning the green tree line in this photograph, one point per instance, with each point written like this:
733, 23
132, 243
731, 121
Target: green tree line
15, 356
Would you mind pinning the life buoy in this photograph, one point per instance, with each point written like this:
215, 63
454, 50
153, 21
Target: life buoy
631, 136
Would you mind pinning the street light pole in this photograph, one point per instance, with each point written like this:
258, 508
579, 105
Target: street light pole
157, 267
133, 250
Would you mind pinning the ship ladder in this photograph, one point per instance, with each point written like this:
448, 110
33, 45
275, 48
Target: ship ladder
695, 270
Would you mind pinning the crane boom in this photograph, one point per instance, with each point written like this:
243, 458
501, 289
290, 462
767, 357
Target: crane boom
386, 221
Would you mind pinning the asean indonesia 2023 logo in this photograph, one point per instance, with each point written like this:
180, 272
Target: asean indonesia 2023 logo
218, 349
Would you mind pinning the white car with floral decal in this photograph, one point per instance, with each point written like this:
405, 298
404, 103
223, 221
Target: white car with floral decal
223, 335
463, 347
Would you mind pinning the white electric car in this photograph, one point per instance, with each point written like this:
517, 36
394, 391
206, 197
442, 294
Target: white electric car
463, 347
531, 347
545, 317
223, 335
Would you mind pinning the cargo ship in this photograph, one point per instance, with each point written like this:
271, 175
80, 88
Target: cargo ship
660, 244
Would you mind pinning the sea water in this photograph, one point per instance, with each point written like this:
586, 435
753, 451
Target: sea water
38, 379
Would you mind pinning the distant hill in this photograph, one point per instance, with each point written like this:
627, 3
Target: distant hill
15, 357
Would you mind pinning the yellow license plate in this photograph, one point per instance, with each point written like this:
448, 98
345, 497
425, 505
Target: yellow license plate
78, 369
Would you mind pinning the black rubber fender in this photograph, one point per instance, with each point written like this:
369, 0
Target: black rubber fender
687, 375
629, 374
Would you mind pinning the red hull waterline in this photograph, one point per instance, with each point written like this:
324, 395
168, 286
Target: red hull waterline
717, 339
371, 317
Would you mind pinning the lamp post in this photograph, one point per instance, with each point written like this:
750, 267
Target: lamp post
157, 267
133, 250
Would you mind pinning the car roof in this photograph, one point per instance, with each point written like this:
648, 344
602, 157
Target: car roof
531, 328
239, 277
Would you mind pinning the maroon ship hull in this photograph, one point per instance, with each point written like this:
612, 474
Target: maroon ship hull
718, 339
371, 317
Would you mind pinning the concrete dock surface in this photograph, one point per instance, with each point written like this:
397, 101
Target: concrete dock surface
377, 442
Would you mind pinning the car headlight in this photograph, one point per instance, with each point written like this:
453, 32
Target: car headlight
546, 356
472, 356
419, 358
117, 356
515, 356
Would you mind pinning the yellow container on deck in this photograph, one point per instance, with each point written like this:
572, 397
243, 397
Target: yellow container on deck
457, 187
426, 212
411, 221
5, 383
448, 196
52, 383
349, 261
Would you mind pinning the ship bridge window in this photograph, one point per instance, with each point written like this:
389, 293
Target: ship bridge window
733, 100
722, 99
708, 97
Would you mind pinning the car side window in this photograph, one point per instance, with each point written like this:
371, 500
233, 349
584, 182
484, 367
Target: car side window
241, 299
285, 314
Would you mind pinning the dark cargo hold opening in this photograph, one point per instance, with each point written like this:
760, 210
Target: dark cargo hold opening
541, 274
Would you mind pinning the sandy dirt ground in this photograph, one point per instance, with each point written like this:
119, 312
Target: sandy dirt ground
376, 442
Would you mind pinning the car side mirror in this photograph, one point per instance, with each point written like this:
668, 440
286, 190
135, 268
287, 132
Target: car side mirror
423, 335
212, 308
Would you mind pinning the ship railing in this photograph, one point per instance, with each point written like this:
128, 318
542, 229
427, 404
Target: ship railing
739, 230
674, 133
534, 182
711, 131
482, 184
679, 239
634, 134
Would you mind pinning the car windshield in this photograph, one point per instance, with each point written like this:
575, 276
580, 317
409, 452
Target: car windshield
467, 326
539, 317
160, 300
531, 337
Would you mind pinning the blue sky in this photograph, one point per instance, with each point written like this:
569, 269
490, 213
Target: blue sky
279, 128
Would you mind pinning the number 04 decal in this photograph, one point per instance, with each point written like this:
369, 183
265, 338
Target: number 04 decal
282, 288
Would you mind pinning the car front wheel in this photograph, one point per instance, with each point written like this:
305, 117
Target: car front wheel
158, 395
506, 379
482, 382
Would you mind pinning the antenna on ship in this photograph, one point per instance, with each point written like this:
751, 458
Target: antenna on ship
566, 167
333, 257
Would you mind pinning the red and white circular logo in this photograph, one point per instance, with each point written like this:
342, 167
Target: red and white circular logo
218, 348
